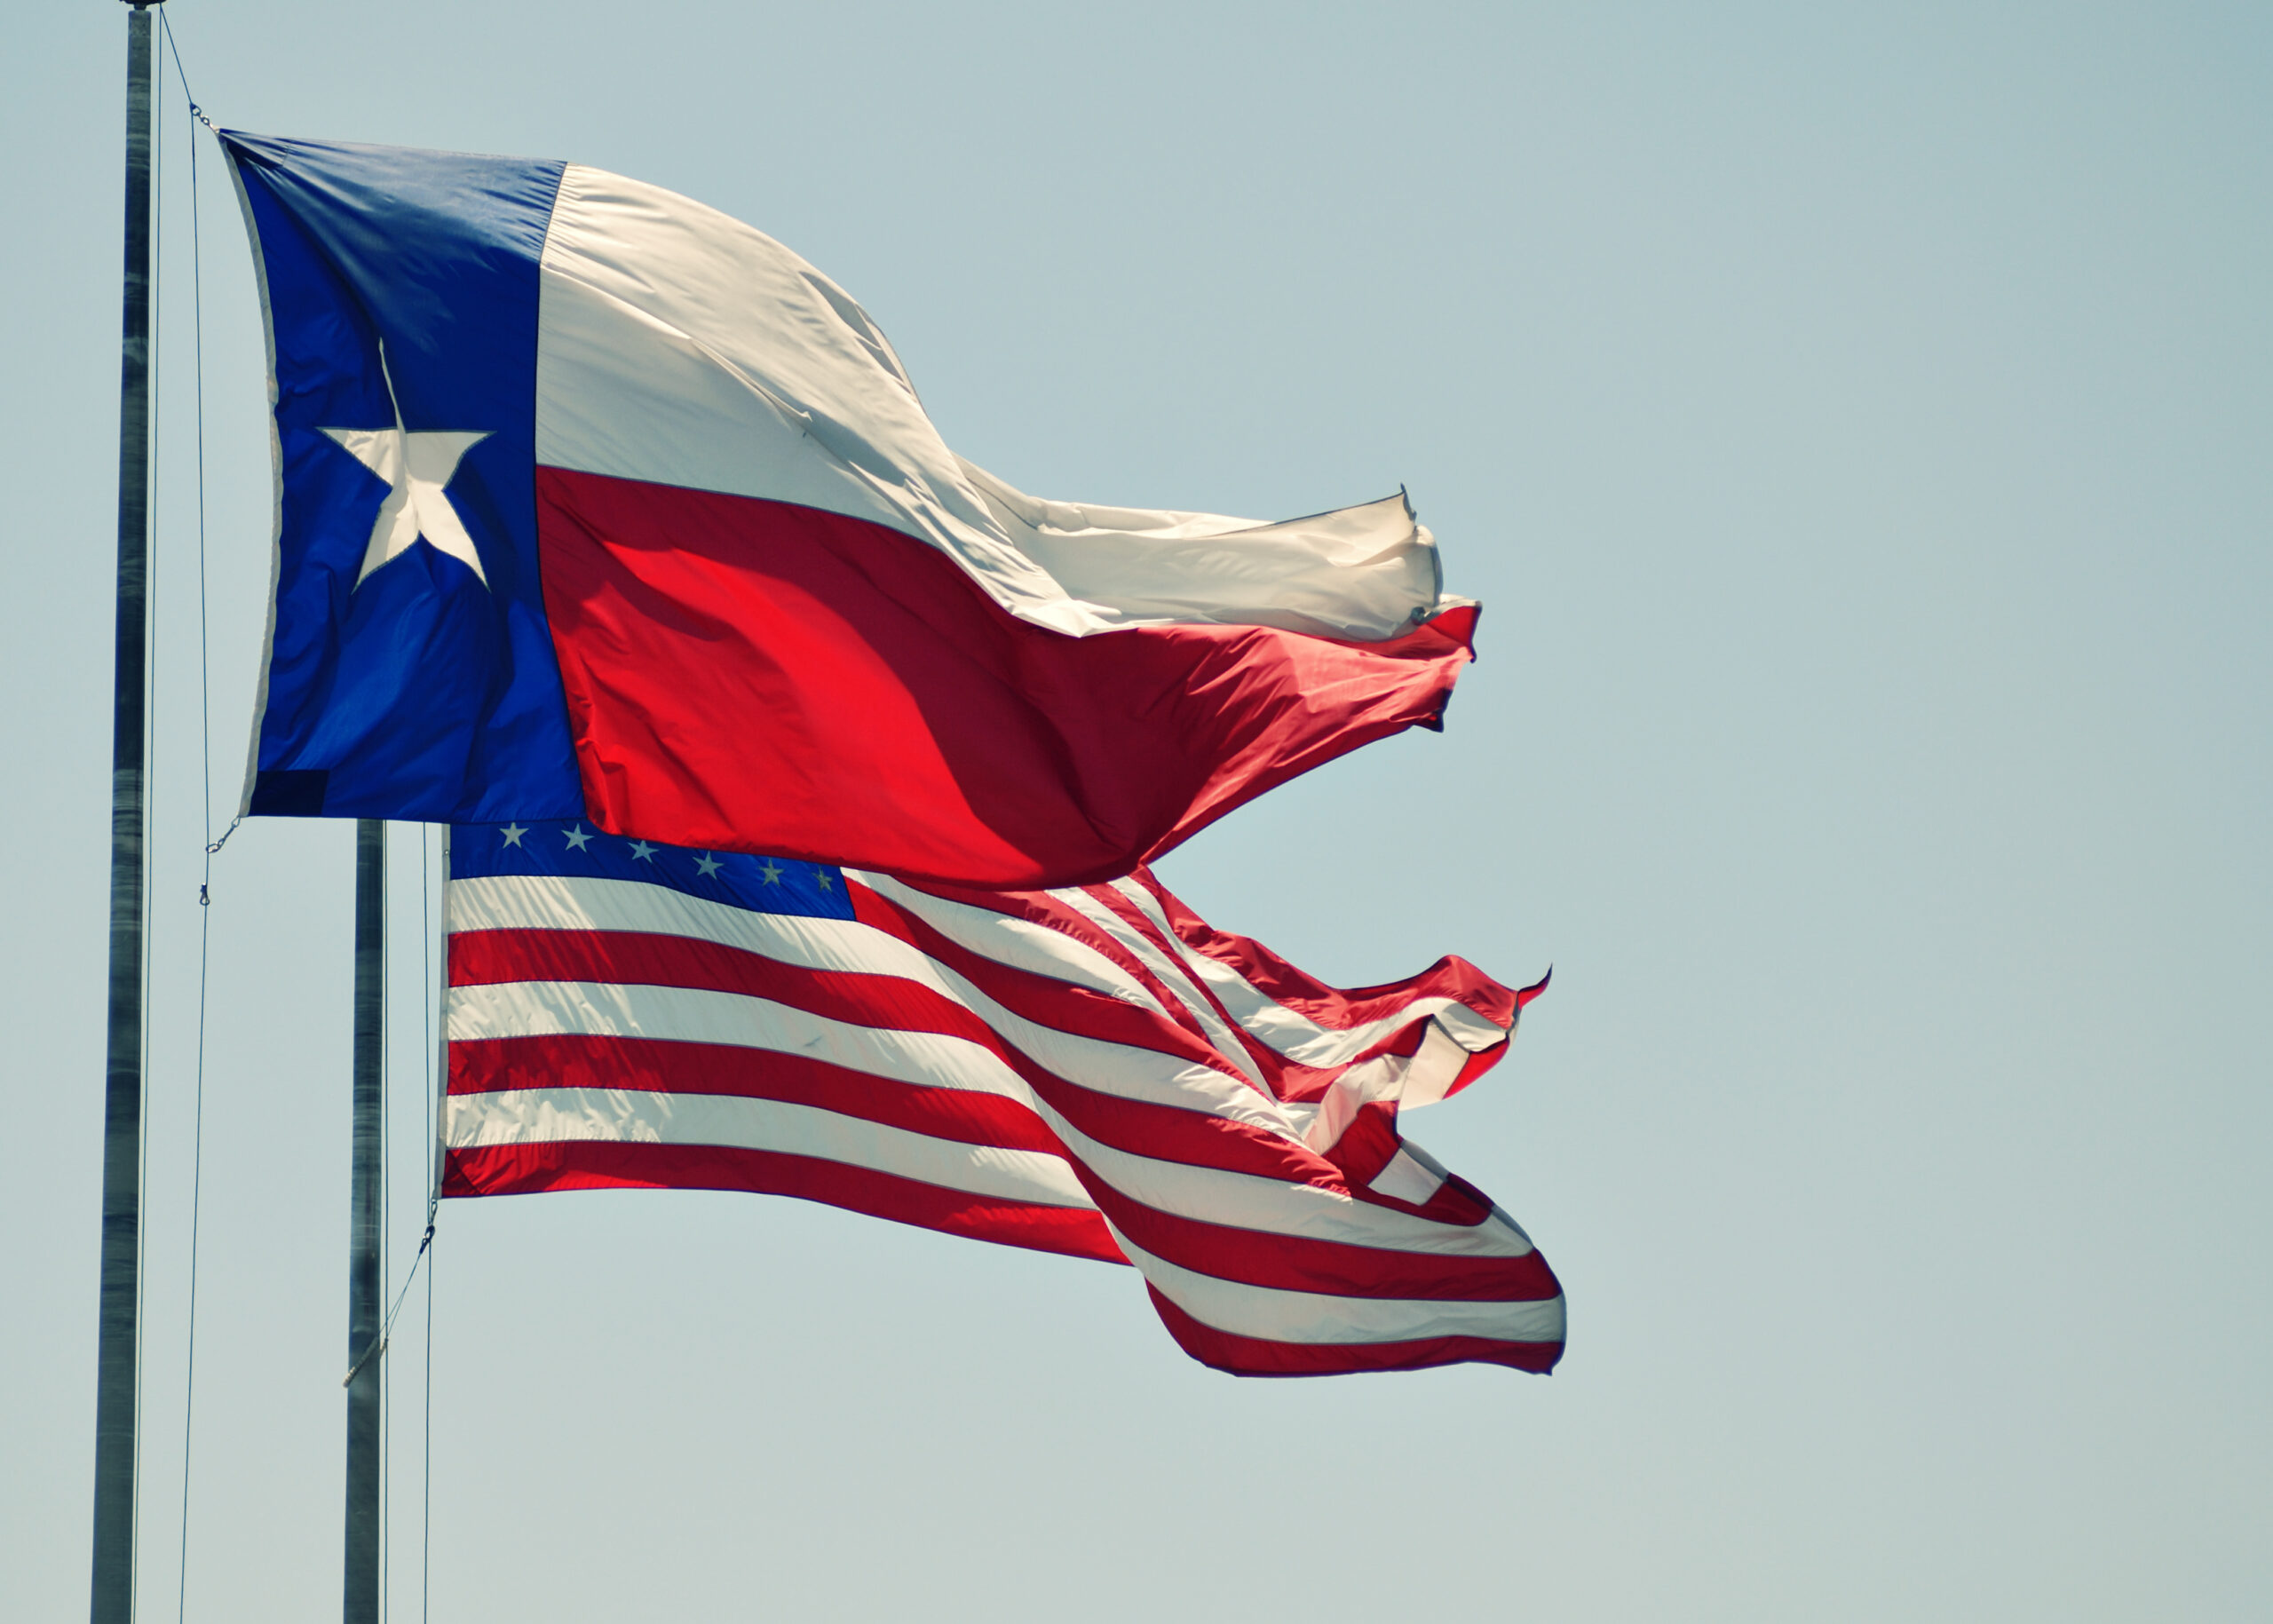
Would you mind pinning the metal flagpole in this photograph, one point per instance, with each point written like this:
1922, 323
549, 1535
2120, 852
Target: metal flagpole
112, 1593
366, 1181
440, 994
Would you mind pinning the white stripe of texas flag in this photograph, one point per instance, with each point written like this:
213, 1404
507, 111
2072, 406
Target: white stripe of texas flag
677, 345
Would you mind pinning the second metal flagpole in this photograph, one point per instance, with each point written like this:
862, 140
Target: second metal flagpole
366, 1186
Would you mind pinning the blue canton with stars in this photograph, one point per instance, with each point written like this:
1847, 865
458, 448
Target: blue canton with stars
575, 849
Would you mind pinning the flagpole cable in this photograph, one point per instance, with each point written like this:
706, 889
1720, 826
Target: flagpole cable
378, 1344
195, 111
205, 800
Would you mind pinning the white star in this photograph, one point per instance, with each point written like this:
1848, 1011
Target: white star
824, 879
416, 466
512, 832
577, 839
707, 865
641, 851
772, 872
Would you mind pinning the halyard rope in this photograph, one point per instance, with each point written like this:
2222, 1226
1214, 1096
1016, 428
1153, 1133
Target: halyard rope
205, 802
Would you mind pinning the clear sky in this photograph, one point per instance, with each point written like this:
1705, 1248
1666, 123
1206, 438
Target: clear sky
1856, 423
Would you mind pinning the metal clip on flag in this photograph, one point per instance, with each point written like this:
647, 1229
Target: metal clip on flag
697, 567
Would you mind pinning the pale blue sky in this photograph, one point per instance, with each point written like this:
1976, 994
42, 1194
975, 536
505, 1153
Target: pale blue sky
1855, 421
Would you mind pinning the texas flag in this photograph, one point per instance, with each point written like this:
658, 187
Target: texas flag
594, 502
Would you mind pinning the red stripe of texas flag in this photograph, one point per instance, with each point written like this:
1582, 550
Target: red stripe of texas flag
719, 652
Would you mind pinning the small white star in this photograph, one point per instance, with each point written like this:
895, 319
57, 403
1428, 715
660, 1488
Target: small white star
707, 865
824, 879
512, 832
641, 851
577, 839
772, 872
417, 468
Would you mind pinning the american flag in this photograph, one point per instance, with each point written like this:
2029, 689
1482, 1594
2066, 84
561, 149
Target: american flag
1092, 1071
